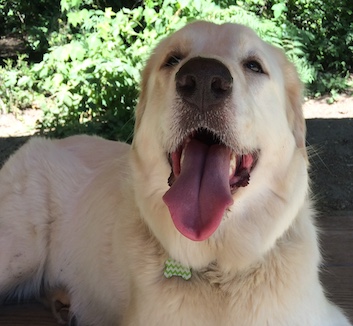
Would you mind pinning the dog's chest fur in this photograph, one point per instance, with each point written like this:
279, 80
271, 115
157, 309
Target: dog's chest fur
213, 297
208, 298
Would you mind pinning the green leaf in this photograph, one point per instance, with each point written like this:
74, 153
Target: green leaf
57, 80
11, 79
150, 15
278, 9
24, 80
184, 3
67, 99
66, 5
77, 51
76, 18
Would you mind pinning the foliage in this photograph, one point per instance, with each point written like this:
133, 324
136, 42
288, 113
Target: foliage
16, 86
325, 31
32, 20
89, 78
329, 26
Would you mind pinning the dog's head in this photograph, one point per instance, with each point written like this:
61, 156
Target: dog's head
219, 145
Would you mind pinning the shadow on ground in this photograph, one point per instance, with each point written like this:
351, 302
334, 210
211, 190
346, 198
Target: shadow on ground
331, 157
9, 145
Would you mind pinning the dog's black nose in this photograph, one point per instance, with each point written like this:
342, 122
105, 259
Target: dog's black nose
204, 83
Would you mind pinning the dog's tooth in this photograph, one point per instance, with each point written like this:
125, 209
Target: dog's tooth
233, 164
182, 157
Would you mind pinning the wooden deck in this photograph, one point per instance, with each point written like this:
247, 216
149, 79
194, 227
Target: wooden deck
337, 275
337, 247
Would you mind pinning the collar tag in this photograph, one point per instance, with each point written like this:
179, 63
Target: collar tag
173, 268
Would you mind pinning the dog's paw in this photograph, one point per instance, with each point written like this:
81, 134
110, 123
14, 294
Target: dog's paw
58, 301
61, 312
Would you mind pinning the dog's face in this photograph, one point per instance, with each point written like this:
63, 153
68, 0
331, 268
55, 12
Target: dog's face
219, 148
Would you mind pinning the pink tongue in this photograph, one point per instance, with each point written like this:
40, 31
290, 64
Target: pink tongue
200, 195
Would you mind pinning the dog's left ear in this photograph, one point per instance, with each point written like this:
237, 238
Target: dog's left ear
294, 99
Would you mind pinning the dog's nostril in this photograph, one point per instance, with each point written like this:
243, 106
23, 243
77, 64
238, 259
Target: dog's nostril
220, 84
204, 83
186, 85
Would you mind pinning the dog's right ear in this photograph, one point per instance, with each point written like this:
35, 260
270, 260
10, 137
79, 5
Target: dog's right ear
294, 102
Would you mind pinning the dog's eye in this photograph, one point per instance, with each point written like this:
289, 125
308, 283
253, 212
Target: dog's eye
172, 60
254, 66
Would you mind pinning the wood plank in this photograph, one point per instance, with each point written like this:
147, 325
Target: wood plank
336, 239
339, 287
29, 314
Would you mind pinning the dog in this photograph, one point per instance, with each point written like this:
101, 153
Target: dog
205, 219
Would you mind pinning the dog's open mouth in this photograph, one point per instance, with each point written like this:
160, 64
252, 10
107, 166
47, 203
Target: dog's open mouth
205, 174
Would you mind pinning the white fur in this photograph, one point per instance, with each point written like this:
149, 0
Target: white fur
86, 215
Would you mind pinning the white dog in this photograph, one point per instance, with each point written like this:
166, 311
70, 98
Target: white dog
204, 220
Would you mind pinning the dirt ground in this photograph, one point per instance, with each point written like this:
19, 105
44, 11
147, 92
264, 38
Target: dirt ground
329, 139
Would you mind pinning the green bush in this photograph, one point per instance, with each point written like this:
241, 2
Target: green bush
325, 32
16, 86
31, 20
90, 74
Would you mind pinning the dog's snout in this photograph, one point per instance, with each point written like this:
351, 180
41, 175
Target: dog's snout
204, 83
